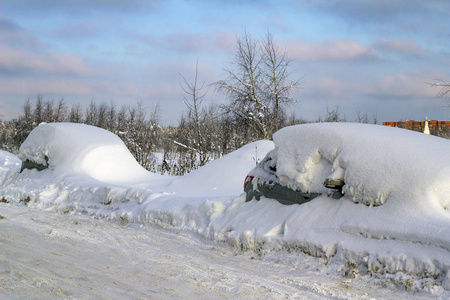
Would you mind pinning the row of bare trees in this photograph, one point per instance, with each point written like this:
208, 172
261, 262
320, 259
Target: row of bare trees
130, 123
200, 136
204, 133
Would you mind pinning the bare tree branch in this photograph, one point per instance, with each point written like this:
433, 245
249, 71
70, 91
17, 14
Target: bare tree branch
443, 90
193, 98
258, 85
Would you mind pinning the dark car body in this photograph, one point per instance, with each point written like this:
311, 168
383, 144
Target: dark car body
263, 181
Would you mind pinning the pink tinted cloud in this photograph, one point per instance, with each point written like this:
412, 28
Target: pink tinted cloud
179, 42
80, 29
331, 50
13, 34
404, 47
225, 41
17, 60
329, 87
409, 84
27, 86
186, 42
93, 89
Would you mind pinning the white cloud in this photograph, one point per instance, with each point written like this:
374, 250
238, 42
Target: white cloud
404, 47
331, 50
407, 84
15, 59
44, 86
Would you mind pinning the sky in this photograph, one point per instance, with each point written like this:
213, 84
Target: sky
362, 57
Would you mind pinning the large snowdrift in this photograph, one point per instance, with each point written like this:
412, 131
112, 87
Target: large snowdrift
405, 239
78, 148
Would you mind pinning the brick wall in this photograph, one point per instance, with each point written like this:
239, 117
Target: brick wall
419, 125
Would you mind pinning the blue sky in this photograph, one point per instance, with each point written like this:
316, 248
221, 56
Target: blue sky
371, 57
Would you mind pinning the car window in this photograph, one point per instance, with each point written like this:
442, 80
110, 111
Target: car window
268, 164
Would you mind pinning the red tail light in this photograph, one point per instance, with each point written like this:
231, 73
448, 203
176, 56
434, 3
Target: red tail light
247, 180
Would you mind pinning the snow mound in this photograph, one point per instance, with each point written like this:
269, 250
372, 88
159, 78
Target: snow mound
8, 161
224, 176
406, 240
377, 163
81, 149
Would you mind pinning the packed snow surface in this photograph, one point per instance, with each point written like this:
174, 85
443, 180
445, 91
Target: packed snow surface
61, 256
393, 222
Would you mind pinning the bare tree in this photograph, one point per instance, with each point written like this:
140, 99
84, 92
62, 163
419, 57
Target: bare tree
47, 112
76, 114
61, 111
374, 118
91, 114
27, 115
361, 118
334, 115
111, 122
23, 125
38, 110
241, 86
138, 135
444, 90
365, 118
193, 99
258, 85
122, 121
278, 87
102, 115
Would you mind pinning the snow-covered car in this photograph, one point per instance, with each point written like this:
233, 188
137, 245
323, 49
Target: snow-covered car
69, 148
263, 181
366, 163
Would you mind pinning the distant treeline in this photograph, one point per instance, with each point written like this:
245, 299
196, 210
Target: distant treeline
182, 148
199, 137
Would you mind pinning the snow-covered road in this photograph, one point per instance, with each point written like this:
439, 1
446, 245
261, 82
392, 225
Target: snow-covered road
46, 255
